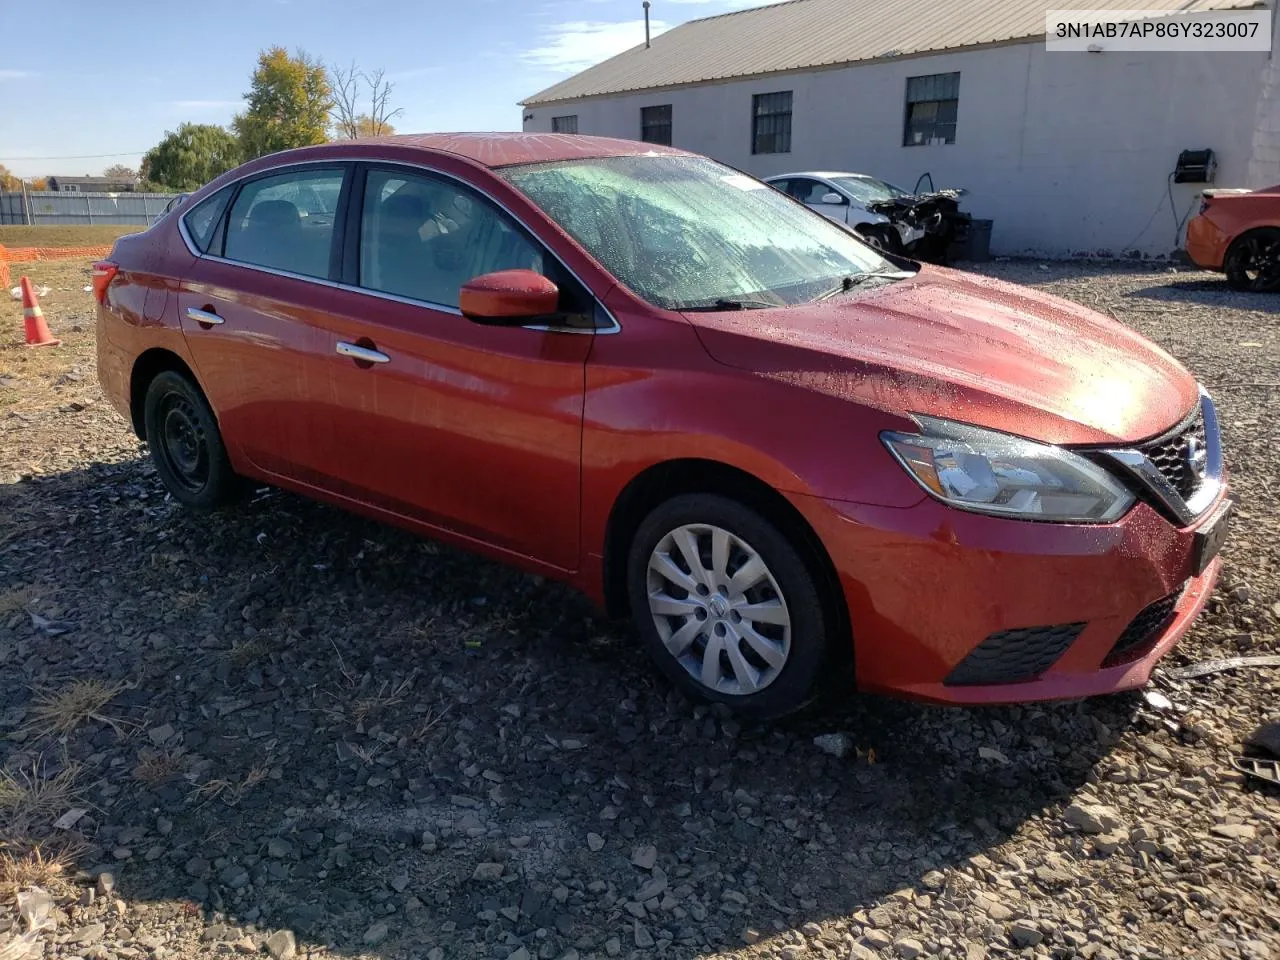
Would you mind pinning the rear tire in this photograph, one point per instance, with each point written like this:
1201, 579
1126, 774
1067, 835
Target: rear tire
743, 623
1252, 262
186, 445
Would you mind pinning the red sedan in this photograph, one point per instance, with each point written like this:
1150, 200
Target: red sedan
646, 374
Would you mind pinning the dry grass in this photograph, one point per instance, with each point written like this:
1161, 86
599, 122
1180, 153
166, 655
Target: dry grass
62, 710
31, 798
428, 723
190, 599
70, 236
248, 652
419, 634
362, 708
41, 865
155, 767
230, 792
15, 599
36, 380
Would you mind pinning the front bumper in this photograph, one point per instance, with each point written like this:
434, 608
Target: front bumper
927, 585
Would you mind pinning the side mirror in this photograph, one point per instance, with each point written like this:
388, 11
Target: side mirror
508, 298
832, 198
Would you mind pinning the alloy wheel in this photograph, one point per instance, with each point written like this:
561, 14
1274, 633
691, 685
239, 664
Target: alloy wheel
718, 609
1257, 261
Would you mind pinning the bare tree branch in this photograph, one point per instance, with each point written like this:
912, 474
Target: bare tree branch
380, 88
346, 97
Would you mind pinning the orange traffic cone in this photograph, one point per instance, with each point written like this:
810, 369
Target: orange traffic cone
38, 334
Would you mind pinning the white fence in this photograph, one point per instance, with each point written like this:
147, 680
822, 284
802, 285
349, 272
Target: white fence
49, 208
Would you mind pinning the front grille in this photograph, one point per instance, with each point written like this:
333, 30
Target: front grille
1143, 631
1014, 656
1169, 454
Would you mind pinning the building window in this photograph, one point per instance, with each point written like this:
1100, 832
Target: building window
567, 124
70, 188
771, 122
932, 103
655, 124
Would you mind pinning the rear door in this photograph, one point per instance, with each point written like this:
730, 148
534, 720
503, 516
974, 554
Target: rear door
252, 311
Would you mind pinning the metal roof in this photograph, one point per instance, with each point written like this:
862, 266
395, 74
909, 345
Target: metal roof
804, 34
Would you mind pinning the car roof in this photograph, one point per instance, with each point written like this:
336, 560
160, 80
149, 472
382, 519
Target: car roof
824, 174
490, 149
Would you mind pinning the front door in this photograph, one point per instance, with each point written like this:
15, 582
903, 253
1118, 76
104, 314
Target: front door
477, 429
810, 193
251, 309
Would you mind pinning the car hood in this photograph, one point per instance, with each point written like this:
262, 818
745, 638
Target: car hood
966, 348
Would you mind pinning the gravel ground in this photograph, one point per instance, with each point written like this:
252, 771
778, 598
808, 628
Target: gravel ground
285, 728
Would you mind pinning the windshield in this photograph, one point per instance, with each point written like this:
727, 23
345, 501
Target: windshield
868, 189
685, 232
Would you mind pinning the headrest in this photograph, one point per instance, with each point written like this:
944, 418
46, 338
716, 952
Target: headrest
274, 213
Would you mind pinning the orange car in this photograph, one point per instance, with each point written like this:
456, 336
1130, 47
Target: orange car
1238, 233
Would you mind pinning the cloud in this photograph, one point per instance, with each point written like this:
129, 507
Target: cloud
205, 104
578, 44
16, 74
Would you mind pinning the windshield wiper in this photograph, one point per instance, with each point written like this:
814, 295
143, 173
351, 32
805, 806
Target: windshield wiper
854, 279
731, 303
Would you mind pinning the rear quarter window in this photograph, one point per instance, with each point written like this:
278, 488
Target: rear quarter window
202, 220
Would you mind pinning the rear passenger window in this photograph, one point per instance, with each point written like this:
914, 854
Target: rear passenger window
286, 222
202, 221
424, 238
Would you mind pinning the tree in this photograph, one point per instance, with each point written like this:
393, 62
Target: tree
366, 126
38, 183
349, 121
288, 104
190, 157
118, 171
7, 180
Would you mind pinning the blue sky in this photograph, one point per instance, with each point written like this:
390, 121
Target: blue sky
112, 79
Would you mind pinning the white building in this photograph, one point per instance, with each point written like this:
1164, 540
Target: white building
1066, 152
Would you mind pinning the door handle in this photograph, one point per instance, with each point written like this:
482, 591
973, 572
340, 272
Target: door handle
204, 316
364, 354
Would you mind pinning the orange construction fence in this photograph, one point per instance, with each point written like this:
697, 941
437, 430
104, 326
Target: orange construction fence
10, 255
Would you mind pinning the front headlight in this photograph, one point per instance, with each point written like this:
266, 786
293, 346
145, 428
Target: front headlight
991, 472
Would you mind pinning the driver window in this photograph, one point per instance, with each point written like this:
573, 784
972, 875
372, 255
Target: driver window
811, 191
423, 238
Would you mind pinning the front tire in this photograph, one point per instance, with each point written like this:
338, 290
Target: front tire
1252, 262
882, 236
186, 446
727, 606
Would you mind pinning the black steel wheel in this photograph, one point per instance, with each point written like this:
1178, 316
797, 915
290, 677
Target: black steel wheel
186, 446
